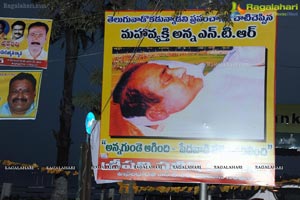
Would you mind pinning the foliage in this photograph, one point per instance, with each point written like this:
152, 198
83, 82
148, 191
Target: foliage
91, 101
222, 7
82, 16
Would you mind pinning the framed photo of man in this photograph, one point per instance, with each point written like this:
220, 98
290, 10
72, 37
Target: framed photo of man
19, 94
190, 93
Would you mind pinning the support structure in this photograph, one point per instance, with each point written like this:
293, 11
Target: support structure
203, 191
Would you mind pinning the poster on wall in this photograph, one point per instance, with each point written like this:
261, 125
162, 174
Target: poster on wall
19, 94
24, 42
184, 95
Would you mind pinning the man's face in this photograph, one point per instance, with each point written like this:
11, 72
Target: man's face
17, 31
21, 96
177, 88
36, 39
1, 28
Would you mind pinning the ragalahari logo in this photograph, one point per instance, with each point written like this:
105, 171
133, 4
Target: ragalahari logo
236, 10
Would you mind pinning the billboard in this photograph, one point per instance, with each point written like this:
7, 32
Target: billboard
24, 42
19, 94
287, 126
188, 99
288, 118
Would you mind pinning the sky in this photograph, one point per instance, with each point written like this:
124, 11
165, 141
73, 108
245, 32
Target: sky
32, 141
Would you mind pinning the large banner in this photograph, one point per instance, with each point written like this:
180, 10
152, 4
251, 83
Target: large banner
19, 94
188, 99
24, 42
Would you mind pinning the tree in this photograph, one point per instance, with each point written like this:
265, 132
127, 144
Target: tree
75, 22
91, 101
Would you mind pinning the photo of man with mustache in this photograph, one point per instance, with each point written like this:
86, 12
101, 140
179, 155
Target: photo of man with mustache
20, 99
37, 36
18, 28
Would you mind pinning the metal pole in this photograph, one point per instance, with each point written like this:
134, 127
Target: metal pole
88, 169
85, 171
130, 194
203, 191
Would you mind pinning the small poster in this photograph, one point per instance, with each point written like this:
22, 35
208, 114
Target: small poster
19, 94
24, 42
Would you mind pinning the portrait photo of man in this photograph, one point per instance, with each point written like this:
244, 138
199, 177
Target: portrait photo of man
21, 96
36, 38
18, 28
175, 99
3, 34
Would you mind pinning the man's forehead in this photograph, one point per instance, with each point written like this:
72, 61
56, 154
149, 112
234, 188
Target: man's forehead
149, 68
18, 27
130, 66
155, 65
21, 82
37, 28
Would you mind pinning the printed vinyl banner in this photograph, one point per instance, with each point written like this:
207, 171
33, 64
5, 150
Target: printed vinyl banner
188, 99
24, 42
19, 94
